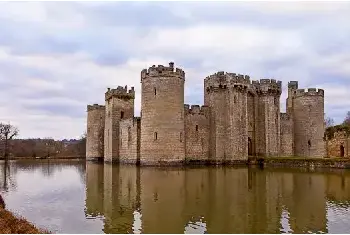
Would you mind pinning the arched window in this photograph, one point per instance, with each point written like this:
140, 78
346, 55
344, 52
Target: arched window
196, 127
155, 135
121, 114
155, 91
235, 99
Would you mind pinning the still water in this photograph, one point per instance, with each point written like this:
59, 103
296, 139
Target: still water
79, 197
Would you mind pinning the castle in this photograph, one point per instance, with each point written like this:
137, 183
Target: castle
239, 118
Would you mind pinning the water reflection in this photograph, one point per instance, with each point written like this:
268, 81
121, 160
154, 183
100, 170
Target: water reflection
218, 200
79, 197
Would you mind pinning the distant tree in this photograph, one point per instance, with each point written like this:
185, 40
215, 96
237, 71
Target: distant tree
329, 122
7, 133
347, 119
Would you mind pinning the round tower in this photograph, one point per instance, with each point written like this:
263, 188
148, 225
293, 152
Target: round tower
95, 132
308, 116
162, 115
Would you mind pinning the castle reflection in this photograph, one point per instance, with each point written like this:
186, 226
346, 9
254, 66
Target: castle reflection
213, 199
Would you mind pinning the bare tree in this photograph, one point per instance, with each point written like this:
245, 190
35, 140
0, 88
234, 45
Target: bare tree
329, 122
347, 119
7, 133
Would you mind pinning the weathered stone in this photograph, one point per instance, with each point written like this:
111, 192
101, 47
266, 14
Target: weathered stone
239, 118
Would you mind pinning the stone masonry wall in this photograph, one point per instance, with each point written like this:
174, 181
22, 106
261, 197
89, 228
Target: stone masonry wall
162, 113
95, 132
237, 123
119, 105
308, 117
129, 151
197, 133
286, 135
252, 109
340, 142
269, 92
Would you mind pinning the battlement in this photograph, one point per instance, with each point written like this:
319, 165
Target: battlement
196, 109
285, 117
95, 107
222, 80
268, 86
163, 71
120, 93
293, 85
308, 92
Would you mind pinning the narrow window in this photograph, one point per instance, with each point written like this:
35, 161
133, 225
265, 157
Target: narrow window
309, 143
155, 91
196, 127
180, 136
155, 135
129, 134
235, 99
121, 114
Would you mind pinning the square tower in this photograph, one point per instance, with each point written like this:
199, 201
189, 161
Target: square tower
119, 105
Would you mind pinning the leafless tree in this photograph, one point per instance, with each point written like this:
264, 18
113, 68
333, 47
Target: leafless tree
7, 133
329, 122
347, 119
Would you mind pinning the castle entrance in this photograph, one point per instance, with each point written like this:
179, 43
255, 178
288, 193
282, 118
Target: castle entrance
250, 147
342, 151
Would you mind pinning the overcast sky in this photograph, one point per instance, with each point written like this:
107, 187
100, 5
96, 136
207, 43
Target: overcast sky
55, 58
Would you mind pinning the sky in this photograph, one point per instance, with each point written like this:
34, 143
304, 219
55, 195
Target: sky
57, 57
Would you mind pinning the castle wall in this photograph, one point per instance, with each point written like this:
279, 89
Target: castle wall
308, 116
286, 135
340, 142
162, 112
268, 134
95, 132
252, 110
119, 105
217, 99
129, 147
197, 133
237, 123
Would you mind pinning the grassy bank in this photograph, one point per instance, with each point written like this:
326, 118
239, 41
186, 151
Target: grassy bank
9, 223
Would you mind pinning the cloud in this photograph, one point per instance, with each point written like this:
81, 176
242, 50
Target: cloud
55, 58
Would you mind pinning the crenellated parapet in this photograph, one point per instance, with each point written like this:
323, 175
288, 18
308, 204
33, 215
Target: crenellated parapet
95, 107
120, 93
293, 85
308, 92
163, 71
196, 110
222, 80
268, 86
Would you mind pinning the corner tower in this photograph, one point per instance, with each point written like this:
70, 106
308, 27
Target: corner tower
308, 117
268, 119
226, 95
162, 114
95, 132
119, 105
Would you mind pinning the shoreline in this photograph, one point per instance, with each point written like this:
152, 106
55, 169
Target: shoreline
13, 224
286, 162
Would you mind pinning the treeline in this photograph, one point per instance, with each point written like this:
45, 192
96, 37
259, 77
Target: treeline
38, 148
44, 148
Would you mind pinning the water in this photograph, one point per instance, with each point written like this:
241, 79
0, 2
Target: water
75, 197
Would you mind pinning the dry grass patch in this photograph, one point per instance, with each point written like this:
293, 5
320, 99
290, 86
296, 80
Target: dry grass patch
16, 225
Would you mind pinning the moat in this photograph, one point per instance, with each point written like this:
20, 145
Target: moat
79, 197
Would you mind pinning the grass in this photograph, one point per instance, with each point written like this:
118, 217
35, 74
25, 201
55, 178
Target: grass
10, 224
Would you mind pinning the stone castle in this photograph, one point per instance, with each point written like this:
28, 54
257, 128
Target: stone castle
239, 118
